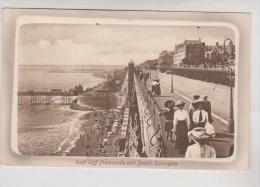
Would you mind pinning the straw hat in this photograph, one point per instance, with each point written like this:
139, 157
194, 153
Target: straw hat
169, 102
180, 102
199, 101
198, 133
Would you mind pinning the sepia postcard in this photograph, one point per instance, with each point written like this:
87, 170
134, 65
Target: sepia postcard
96, 88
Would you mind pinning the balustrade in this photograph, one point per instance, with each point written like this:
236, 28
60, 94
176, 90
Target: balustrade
153, 119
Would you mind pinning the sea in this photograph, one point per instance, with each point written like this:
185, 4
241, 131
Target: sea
48, 129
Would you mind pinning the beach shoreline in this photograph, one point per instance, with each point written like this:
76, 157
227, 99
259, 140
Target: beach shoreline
57, 129
41, 128
80, 133
96, 127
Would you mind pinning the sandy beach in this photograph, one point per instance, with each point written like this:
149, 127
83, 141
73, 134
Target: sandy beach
42, 128
95, 130
62, 129
72, 133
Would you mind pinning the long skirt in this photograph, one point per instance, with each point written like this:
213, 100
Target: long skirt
182, 141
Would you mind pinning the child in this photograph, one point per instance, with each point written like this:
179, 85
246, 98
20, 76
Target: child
169, 114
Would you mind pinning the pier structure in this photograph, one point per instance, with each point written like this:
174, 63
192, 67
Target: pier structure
51, 97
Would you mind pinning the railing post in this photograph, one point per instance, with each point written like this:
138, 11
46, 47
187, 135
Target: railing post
154, 109
130, 77
231, 118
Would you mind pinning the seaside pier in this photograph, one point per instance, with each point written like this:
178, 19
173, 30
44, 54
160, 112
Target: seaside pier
51, 97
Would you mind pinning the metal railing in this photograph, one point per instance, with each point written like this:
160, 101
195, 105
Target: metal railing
152, 110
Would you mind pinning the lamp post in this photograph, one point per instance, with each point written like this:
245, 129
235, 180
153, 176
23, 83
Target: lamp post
231, 110
172, 78
157, 69
206, 66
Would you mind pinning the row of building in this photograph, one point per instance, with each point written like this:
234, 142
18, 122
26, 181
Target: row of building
196, 52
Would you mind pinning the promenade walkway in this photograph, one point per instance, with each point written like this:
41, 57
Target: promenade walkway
184, 89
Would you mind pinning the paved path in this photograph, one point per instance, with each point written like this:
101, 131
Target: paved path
219, 95
184, 89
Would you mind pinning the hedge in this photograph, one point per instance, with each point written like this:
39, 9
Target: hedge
214, 76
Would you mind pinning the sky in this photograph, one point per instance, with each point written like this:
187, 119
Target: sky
82, 44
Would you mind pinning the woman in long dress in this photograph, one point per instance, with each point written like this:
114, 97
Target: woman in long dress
181, 124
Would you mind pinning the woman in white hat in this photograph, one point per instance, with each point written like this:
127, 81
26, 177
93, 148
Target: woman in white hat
181, 124
200, 149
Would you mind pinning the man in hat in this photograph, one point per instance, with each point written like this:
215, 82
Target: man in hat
169, 115
200, 149
200, 116
207, 107
156, 87
193, 107
154, 84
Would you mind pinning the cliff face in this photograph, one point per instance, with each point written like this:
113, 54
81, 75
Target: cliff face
105, 96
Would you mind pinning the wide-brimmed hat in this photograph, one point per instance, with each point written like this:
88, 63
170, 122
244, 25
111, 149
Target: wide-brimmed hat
196, 96
179, 103
156, 79
169, 102
199, 101
198, 133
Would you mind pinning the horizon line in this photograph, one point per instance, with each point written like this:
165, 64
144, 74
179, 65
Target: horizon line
67, 65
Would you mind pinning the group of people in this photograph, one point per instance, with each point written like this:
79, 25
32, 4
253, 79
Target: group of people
156, 87
192, 128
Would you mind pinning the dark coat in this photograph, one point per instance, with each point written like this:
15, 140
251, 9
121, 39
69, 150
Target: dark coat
207, 108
